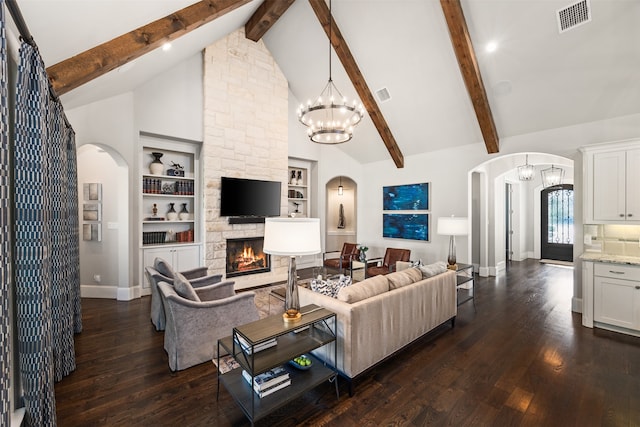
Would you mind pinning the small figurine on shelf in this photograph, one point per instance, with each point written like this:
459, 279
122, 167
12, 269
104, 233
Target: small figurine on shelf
154, 210
172, 215
293, 181
299, 180
176, 169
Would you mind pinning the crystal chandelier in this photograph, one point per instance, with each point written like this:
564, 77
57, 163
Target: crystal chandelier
526, 171
330, 119
552, 176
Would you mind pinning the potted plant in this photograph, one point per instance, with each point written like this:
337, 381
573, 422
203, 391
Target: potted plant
363, 253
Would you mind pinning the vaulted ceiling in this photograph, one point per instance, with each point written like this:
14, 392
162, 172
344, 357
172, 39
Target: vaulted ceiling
537, 79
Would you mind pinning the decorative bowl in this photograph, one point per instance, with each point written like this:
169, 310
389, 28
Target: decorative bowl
296, 364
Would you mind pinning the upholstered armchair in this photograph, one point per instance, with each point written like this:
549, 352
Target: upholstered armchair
348, 253
388, 263
199, 317
162, 271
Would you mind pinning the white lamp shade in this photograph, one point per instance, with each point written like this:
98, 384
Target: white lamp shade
453, 226
292, 236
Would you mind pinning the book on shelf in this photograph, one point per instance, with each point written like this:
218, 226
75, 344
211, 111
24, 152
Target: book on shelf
272, 385
257, 347
267, 379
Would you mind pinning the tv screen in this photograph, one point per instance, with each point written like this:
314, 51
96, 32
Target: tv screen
249, 197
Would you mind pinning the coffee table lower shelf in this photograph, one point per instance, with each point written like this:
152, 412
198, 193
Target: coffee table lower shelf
301, 382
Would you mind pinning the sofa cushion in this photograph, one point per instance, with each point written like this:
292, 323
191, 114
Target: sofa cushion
365, 289
184, 288
434, 269
330, 287
402, 278
164, 268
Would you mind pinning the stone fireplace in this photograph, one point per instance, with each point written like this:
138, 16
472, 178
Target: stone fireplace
245, 256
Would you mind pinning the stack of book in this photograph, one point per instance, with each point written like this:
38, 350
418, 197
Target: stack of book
268, 382
258, 347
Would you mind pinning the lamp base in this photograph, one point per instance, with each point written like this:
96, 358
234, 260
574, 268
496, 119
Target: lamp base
290, 319
453, 267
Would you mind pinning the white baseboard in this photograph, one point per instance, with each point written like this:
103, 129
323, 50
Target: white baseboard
483, 271
576, 305
93, 291
112, 292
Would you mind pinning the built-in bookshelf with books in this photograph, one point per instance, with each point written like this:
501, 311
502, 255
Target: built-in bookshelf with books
170, 203
265, 380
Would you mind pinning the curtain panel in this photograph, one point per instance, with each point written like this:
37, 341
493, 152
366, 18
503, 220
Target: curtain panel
46, 258
5, 272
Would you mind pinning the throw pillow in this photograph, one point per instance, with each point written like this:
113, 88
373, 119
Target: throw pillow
362, 290
184, 288
404, 277
164, 268
330, 287
434, 269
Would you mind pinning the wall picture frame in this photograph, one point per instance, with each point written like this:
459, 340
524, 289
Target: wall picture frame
411, 226
414, 197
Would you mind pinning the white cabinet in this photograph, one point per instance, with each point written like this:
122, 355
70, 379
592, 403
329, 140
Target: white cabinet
616, 296
612, 183
170, 202
181, 258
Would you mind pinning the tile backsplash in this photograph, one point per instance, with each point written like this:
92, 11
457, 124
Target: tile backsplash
613, 239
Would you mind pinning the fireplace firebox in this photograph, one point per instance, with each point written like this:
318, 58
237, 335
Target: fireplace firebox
245, 256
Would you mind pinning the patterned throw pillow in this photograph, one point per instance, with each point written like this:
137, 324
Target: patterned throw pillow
330, 287
184, 288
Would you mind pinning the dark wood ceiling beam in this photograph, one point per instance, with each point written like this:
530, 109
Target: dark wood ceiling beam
351, 67
90, 64
263, 19
470, 71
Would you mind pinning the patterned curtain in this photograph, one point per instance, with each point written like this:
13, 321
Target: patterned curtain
5, 275
46, 240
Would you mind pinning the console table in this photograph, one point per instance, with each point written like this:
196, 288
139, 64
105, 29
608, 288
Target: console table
316, 329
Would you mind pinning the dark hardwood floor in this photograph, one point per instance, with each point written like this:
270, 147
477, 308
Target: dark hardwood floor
522, 359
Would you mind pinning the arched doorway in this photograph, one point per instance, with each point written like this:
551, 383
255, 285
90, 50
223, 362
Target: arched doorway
488, 212
341, 213
104, 264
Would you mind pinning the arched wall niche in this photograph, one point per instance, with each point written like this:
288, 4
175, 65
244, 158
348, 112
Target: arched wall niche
341, 215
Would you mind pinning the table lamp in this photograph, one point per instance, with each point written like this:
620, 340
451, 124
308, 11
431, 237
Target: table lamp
452, 226
292, 237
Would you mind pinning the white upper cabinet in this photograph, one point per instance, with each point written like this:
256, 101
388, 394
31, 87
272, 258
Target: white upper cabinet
612, 183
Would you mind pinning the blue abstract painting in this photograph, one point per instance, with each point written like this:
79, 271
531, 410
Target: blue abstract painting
412, 197
406, 226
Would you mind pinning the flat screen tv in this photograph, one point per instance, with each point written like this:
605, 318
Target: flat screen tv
249, 197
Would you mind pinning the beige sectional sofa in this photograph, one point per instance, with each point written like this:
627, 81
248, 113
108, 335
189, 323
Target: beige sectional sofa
382, 314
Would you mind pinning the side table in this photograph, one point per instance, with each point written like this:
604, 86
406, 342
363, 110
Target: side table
316, 329
465, 284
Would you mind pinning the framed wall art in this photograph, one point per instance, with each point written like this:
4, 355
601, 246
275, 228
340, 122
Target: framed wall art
92, 211
414, 197
413, 226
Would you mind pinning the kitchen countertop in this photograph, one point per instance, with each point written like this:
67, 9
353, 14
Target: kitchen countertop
612, 259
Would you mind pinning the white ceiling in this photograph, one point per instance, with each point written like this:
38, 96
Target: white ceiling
538, 79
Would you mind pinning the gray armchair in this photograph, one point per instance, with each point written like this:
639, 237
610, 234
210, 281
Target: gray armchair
194, 327
196, 278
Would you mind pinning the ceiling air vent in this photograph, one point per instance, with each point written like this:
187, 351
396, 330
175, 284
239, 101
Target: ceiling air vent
383, 94
574, 15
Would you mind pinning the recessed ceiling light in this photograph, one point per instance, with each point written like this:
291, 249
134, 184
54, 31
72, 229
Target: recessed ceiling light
491, 47
166, 46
